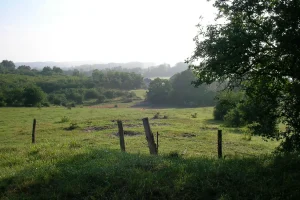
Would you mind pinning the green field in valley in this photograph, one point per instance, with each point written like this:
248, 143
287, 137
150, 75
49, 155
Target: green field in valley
86, 162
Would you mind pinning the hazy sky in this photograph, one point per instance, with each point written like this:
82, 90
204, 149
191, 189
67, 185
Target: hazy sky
100, 30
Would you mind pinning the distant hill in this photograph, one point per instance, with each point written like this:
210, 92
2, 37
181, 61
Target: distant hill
85, 65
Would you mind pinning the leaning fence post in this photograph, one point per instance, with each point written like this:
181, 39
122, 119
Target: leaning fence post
33, 131
121, 135
149, 137
220, 143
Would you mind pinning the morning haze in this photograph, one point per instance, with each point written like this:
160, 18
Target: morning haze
142, 99
101, 31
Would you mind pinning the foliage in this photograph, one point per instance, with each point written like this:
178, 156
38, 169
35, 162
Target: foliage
33, 95
101, 98
185, 94
63, 89
226, 101
73, 126
195, 115
91, 94
256, 47
178, 91
156, 116
234, 118
65, 119
159, 91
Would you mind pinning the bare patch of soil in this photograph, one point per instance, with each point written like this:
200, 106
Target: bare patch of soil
129, 133
96, 128
188, 135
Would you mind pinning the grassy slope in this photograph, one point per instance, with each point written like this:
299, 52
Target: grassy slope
88, 165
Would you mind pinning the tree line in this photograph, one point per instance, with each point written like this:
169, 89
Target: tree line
28, 87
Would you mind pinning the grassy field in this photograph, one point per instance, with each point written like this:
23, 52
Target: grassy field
86, 163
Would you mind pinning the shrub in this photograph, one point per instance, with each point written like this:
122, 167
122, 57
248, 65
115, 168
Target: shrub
174, 154
130, 95
91, 94
33, 95
156, 116
234, 118
46, 104
195, 115
101, 98
64, 119
73, 126
166, 117
57, 99
109, 94
225, 102
116, 106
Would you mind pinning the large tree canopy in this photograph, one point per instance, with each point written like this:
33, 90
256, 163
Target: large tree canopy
258, 46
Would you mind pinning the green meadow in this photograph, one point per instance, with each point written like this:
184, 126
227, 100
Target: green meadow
77, 156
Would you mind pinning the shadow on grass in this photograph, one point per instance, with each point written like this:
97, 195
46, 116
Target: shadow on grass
148, 105
103, 174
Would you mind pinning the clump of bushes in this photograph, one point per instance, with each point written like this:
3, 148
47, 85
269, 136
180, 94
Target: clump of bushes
101, 98
64, 119
195, 115
173, 154
159, 116
156, 116
225, 102
73, 126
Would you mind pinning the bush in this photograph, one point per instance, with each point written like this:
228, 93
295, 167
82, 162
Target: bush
225, 102
64, 119
101, 98
110, 94
156, 116
46, 104
234, 118
78, 98
131, 95
33, 95
57, 99
91, 94
195, 115
73, 126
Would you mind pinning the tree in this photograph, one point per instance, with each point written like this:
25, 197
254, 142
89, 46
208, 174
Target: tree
159, 91
257, 46
47, 71
57, 70
185, 94
76, 72
7, 66
33, 95
24, 67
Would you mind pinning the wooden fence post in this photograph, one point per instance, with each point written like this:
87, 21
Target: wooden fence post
220, 143
149, 137
33, 131
121, 135
157, 142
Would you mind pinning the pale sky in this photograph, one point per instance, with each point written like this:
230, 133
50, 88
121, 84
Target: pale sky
159, 31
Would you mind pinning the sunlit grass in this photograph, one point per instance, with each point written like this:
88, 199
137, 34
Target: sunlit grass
85, 162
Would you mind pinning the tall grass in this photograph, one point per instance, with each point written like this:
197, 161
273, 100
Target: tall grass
107, 174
